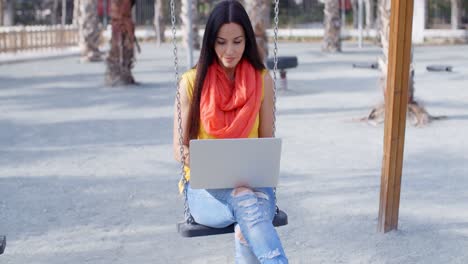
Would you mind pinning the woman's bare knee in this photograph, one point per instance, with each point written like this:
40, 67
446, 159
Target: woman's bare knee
239, 191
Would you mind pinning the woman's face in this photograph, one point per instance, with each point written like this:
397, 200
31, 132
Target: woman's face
230, 45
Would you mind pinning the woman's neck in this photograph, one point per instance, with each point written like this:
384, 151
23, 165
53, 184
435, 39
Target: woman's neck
230, 73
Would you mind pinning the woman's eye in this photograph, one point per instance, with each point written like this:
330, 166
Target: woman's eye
221, 43
237, 42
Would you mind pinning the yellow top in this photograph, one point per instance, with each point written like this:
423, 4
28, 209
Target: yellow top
189, 78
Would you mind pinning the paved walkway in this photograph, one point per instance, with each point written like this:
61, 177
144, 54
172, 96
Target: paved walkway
87, 172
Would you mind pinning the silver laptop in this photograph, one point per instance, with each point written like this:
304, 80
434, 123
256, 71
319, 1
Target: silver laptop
229, 163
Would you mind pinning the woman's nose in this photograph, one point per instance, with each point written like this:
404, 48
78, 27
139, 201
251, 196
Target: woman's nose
230, 49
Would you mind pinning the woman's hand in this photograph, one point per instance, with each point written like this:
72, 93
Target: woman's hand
186, 156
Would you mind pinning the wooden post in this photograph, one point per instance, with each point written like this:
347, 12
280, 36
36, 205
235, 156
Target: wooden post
395, 112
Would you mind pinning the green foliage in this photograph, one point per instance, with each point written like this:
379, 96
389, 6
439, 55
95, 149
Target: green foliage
39, 12
438, 12
292, 14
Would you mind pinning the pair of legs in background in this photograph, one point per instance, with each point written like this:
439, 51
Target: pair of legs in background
253, 210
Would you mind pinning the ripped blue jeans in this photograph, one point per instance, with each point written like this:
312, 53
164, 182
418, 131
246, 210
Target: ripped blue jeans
252, 210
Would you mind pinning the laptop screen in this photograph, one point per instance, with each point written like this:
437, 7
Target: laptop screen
230, 163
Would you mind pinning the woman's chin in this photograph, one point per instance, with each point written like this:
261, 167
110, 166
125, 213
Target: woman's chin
229, 65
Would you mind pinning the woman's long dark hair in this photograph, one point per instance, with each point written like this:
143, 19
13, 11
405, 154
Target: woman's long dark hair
229, 11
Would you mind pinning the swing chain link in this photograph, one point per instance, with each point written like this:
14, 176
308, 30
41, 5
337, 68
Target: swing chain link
275, 69
188, 216
275, 60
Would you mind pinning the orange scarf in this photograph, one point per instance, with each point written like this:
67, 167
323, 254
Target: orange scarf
227, 111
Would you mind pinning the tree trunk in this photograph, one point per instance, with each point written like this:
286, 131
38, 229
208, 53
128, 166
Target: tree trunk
378, 23
259, 13
384, 33
9, 13
89, 31
64, 13
416, 113
1, 12
456, 14
184, 16
331, 37
159, 21
355, 6
120, 60
369, 13
76, 12
53, 16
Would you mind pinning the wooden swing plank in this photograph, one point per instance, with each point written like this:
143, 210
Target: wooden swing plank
395, 112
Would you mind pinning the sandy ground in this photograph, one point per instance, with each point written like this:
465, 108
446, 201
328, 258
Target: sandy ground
87, 172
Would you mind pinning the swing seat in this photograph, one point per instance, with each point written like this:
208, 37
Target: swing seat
196, 230
2, 244
439, 68
284, 62
366, 65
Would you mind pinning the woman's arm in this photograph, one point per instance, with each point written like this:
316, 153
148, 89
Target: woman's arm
266, 109
185, 114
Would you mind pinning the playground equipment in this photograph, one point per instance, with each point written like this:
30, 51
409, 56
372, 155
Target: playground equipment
366, 65
283, 63
188, 227
2, 244
439, 68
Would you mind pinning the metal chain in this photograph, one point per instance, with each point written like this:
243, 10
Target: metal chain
188, 216
275, 69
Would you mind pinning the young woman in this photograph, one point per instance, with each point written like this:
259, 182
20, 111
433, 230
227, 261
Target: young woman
229, 94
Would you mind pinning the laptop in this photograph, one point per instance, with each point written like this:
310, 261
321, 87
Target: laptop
230, 163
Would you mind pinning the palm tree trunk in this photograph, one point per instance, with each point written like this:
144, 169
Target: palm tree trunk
76, 12
369, 13
1, 12
54, 13
355, 6
89, 31
331, 37
64, 12
456, 14
184, 16
159, 21
378, 24
416, 113
120, 60
196, 37
384, 33
9, 13
259, 13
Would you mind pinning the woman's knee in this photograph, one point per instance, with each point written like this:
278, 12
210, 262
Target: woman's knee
240, 191
251, 206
